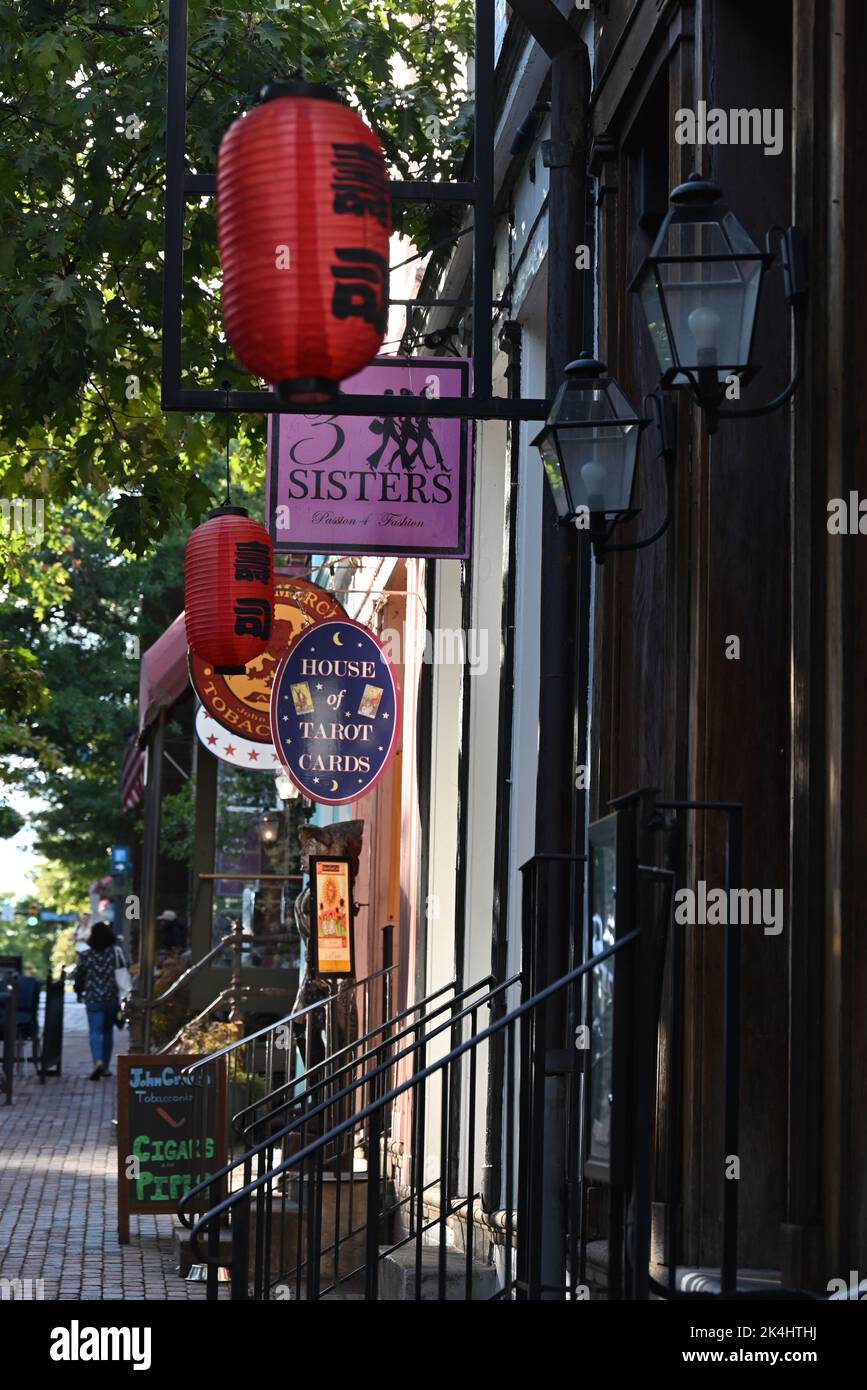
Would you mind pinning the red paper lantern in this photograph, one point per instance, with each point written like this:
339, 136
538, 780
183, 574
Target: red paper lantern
304, 218
228, 589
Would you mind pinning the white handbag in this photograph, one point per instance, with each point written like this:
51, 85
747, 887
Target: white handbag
121, 974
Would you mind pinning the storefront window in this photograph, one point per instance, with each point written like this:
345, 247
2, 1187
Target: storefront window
257, 863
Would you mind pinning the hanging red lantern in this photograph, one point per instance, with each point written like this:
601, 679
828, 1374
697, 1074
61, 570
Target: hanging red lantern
228, 589
304, 218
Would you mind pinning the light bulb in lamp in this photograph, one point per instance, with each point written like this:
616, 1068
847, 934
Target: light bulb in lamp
704, 325
593, 477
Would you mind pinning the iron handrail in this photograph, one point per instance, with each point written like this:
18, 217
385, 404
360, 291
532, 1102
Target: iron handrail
225, 943
226, 996
311, 1113
280, 1023
332, 1076
382, 1102
357, 1061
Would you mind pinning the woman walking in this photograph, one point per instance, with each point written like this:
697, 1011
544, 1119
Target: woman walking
96, 984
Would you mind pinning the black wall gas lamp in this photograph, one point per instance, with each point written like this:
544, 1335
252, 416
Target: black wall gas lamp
699, 289
589, 448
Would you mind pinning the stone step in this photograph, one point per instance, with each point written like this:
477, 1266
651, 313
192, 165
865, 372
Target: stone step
334, 1217
397, 1275
183, 1249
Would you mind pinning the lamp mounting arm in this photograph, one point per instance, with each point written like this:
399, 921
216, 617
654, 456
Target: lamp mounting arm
751, 412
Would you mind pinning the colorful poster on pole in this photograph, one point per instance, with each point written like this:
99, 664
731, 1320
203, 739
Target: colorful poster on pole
385, 486
335, 711
331, 940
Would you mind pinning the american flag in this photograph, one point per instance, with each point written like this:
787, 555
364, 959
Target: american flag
132, 776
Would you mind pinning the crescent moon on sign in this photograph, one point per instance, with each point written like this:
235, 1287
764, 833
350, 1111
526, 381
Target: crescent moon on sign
334, 784
336, 640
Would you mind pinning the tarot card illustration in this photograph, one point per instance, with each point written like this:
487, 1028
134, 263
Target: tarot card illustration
370, 701
301, 698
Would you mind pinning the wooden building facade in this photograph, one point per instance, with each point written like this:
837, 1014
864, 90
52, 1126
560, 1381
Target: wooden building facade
773, 720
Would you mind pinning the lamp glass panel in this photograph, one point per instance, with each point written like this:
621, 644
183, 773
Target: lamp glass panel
551, 464
599, 465
651, 303
711, 309
579, 402
711, 304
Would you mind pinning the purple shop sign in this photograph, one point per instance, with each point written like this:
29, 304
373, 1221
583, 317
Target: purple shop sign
358, 486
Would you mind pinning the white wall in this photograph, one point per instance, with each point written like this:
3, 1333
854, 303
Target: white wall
444, 748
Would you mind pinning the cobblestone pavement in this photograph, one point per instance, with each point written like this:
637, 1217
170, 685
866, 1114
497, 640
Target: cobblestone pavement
58, 1189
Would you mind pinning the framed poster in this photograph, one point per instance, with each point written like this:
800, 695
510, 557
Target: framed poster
603, 930
331, 926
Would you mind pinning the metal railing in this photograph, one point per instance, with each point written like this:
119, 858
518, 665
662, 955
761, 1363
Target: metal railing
416, 1221
234, 943
249, 1070
295, 1097
339, 1088
336, 1067
364, 1193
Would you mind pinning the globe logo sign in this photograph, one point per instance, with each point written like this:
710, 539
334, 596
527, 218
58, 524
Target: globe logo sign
335, 711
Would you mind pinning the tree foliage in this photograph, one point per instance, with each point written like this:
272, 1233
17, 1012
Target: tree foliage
82, 135
116, 482
100, 611
85, 639
33, 943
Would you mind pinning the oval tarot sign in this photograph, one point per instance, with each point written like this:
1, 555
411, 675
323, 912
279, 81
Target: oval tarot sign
335, 711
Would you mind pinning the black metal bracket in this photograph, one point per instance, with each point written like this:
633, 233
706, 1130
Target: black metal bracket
559, 154
182, 185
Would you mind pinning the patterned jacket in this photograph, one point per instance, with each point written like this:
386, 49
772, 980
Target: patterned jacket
94, 977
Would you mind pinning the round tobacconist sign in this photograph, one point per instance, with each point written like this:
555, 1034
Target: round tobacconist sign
240, 752
335, 711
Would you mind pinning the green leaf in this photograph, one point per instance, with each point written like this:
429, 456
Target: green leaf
94, 317
61, 287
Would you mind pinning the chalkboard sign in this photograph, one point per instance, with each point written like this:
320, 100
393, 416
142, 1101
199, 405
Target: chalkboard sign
171, 1132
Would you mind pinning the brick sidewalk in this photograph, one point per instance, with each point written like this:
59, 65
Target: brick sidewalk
58, 1188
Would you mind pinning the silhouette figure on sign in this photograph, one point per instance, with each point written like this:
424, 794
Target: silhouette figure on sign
407, 439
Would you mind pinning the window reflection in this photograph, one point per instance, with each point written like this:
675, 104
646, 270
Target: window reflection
256, 848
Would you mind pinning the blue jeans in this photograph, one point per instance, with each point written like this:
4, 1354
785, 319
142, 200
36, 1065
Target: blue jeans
100, 1021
